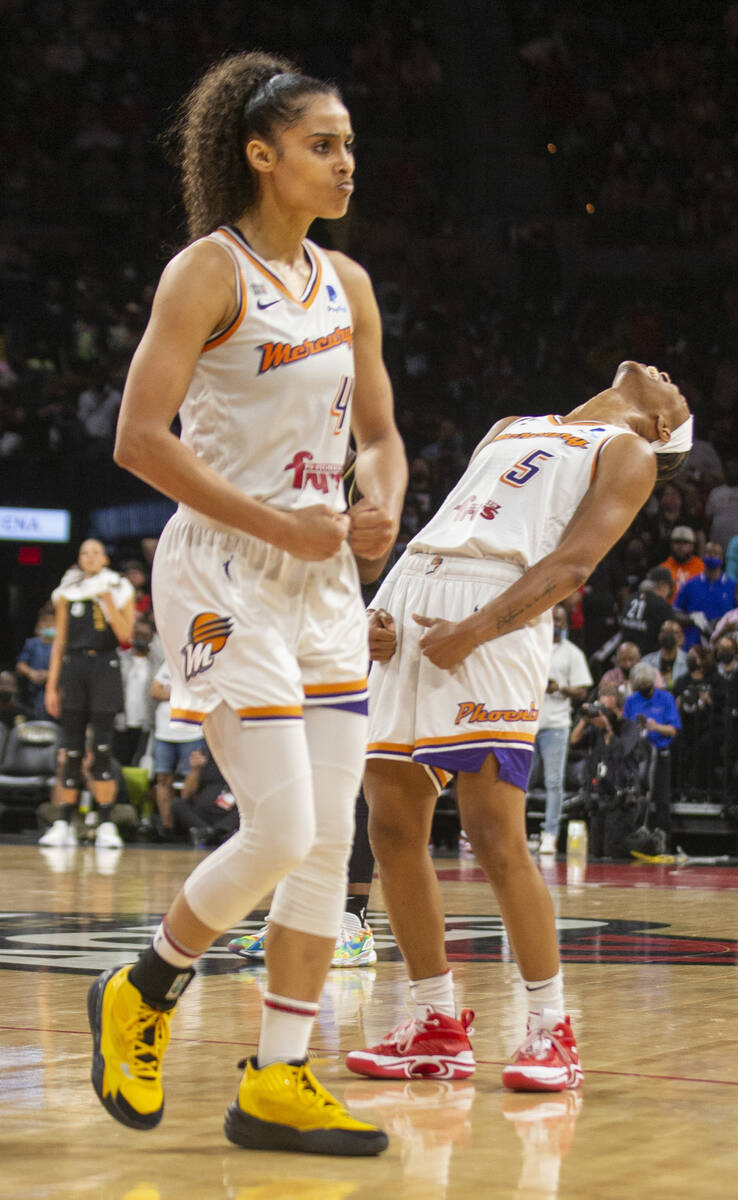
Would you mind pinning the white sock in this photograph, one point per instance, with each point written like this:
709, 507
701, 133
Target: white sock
436, 992
285, 1031
171, 950
545, 1000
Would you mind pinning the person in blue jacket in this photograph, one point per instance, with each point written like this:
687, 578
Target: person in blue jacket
655, 711
706, 597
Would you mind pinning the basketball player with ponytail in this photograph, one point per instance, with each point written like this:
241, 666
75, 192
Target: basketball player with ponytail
269, 348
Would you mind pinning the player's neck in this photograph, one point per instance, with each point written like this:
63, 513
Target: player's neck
611, 407
276, 237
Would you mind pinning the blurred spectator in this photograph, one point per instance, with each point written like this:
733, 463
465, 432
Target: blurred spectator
11, 712
135, 572
205, 811
707, 597
731, 559
670, 660
33, 665
727, 623
722, 506
137, 674
627, 656
693, 697
173, 745
645, 612
682, 562
656, 713
569, 680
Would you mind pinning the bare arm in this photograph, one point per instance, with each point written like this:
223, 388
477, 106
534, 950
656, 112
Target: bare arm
58, 648
196, 295
120, 620
381, 466
624, 480
160, 691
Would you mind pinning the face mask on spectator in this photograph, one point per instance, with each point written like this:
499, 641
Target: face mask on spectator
141, 645
693, 662
712, 563
646, 691
725, 656
48, 631
667, 641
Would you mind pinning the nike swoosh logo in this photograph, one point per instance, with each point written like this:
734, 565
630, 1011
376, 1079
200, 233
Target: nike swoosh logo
267, 303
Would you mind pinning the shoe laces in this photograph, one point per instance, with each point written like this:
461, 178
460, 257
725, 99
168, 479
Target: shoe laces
308, 1087
148, 1030
538, 1042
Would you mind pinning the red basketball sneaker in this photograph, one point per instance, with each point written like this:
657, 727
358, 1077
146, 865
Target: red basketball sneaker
435, 1045
547, 1061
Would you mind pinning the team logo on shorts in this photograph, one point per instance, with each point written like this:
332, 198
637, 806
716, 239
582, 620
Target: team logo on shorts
434, 564
208, 635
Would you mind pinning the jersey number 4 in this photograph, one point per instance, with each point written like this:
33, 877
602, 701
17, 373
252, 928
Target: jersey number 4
525, 468
341, 402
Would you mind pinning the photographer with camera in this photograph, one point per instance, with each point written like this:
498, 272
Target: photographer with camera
657, 715
614, 752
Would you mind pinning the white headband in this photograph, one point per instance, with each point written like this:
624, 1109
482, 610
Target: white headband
680, 439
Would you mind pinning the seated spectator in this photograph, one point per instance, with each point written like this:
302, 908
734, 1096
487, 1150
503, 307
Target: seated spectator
173, 745
646, 610
727, 623
626, 657
724, 732
670, 660
11, 712
656, 713
205, 811
706, 598
683, 563
33, 665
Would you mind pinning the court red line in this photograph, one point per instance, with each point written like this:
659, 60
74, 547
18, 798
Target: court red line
322, 1053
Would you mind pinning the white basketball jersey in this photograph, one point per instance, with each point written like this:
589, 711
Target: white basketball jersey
518, 495
269, 403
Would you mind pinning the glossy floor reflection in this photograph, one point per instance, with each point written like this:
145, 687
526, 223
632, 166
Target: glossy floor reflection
651, 976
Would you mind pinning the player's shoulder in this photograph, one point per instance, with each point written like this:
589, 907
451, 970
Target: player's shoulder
352, 275
206, 259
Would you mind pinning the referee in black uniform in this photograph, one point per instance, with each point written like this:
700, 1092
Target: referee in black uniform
94, 611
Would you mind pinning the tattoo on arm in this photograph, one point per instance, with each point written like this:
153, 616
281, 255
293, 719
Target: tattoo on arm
512, 614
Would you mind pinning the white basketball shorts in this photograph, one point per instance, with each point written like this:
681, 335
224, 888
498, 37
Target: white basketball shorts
249, 625
451, 720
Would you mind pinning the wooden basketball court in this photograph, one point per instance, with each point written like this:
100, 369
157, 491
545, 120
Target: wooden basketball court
651, 970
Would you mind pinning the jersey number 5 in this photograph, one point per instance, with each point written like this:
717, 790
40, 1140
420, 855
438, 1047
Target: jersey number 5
341, 402
524, 469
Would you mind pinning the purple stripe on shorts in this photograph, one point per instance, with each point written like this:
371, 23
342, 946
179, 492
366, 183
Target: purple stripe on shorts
513, 764
355, 706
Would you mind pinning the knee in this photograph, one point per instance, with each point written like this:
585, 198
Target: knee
282, 846
393, 836
501, 851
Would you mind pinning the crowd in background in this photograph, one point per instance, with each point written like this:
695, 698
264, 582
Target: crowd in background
638, 121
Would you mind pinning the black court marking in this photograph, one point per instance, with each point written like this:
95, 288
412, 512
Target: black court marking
75, 943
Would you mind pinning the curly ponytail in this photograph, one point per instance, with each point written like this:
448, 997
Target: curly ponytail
244, 96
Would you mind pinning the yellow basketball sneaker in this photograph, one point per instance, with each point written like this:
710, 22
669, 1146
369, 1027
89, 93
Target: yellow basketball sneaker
283, 1107
129, 1039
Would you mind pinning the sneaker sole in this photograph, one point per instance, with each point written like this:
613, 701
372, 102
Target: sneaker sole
117, 1108
414, 1066
365, 959
239, 951
529, 1079
251, 1133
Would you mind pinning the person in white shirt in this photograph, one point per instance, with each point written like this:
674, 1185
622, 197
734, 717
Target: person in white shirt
569, 679
173, 745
